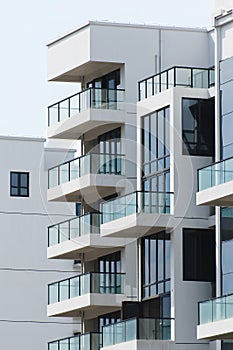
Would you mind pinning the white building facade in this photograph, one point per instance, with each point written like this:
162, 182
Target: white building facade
154, 107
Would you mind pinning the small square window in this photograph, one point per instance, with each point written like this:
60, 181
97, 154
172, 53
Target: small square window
19, 184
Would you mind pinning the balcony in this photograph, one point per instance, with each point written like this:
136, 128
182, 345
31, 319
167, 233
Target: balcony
89, 109
199, 78
137, 214
215, 184
137, 334
216, 318
88, 341
81, 235
90, 294
89, 177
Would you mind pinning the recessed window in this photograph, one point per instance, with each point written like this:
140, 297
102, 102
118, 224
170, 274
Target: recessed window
198, 127
198, 255
19, 184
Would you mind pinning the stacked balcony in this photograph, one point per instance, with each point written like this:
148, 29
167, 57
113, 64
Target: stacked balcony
88, 177
88, 110
215, 184
81, 235
200, 78
137, 214
137, 334
91, 294
216, 318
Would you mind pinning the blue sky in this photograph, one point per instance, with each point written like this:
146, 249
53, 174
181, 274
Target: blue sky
25, 28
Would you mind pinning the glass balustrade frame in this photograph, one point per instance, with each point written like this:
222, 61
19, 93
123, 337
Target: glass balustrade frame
91, 282
91, 163
82, 225
135, 203
84, 341
215, 309
215, 174
137, 329
170, 78
90, 98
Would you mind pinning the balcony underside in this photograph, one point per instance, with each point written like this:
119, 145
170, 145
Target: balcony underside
137, 225
89, 68
92, 245
90, 122
216, 330
88, 305
142, 345
89, 188
220, 195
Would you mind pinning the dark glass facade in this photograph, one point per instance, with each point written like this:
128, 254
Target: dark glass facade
226, 88
198, 127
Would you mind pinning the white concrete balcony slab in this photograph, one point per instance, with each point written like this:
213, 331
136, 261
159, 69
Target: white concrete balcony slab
138, 334
137, 214
81, 235
216, 318
91, 295
89, 177
215, 184
87, 111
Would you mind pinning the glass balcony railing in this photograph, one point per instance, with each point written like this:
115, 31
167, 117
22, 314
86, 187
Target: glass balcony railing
136, 202
137, 328
215, 174
176, 76
92, 163
88, 341
216, 309
77, 227
95, 98
93, 282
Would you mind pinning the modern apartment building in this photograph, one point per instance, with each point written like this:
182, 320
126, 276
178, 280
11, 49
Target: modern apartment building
24, 267
154, 107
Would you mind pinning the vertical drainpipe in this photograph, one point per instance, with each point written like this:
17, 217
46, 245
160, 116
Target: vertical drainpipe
217, 150
217, 158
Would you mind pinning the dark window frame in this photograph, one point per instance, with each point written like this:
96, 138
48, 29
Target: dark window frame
19, 187
155, 284
199, 148
197, 264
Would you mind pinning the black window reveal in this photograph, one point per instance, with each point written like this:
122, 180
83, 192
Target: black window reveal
19, 184
198, 255
198, 127
155, 264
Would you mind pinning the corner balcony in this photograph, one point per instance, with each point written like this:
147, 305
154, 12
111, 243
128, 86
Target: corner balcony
93, 108
138, 334
200, 78
137, 214
91, 295
215, 184
89, 177
87, 341
81, 235
216, 318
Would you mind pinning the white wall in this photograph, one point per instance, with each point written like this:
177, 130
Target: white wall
24, 224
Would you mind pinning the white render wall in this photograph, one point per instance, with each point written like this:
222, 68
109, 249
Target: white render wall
23, 246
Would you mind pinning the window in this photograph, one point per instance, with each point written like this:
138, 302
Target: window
156, 151
155, 264
109, 147
198, 255
198, 127
19, 184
